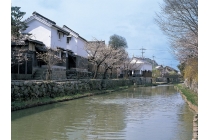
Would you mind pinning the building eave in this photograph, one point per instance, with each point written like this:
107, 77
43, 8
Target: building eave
41, 16
39, 19
61, 29
83, 39
64, 26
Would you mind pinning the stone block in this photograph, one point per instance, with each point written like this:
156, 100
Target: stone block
16, 88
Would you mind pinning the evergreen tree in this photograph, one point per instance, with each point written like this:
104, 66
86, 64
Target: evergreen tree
117, 41
16, 24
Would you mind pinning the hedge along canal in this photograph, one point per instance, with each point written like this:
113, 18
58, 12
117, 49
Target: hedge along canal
26, 94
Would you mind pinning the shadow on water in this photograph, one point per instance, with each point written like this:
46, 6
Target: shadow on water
30, 111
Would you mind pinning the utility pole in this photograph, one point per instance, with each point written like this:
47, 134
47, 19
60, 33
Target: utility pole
142, 51
153, 61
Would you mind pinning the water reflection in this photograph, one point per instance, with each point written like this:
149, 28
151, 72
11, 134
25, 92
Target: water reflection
135, 113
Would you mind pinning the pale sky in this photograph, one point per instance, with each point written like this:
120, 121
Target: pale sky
133, 20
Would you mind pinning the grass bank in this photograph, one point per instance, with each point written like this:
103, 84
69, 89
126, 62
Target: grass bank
18, 105
190, 96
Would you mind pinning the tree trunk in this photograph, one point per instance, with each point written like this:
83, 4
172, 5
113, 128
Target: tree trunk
96, 72
104, 76
111, 73
126, 74
49, 73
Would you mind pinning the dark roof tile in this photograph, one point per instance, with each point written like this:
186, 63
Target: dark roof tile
61, 29
64, 26
35, 13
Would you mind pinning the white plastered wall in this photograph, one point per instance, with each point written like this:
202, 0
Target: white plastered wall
146, 66
55, 41
77, 46
39, 31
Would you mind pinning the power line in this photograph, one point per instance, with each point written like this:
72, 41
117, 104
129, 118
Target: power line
142, 51
149, 49
166, 59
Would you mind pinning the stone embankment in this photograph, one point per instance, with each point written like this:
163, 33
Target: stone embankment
27, 90
195, 127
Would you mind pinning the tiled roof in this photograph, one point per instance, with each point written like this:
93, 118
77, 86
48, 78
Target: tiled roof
170, 68
41, 48
16, 43
35, 41
50, 21
142, 60
35, 13
23, 42
83, 39
64, 26
61, 29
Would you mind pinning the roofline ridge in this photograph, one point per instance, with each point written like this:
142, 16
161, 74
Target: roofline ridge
64, 26
39, 15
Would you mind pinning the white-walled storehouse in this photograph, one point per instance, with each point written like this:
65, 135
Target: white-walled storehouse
46, 31
76, 43
140, 67
68, 42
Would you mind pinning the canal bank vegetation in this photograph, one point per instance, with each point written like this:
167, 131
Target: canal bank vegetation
190, 96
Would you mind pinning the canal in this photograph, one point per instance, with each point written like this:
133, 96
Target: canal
141, 113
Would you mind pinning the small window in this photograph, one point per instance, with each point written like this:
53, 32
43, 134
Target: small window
59, 35
68, 39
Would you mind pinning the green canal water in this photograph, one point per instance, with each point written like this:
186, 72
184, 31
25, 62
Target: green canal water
141, 113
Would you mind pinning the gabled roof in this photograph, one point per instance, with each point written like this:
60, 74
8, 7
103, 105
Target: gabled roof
170, 68
64, 26
35, 41
83, 39
68, 29
37, 14
61, 29
159, 67
46, 21
140, 60
24, 42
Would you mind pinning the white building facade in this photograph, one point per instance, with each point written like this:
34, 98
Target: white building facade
138, 66
65, 40
76, 43
46, 31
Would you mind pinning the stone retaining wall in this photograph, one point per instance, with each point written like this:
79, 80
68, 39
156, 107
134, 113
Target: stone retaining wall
141, 80
28, 90
58, 74
21, 76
